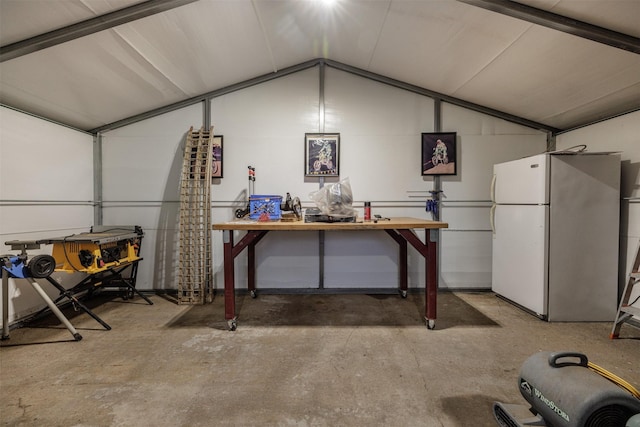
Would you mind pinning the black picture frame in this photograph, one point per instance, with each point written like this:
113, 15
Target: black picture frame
439, 153
217, 159
321, 154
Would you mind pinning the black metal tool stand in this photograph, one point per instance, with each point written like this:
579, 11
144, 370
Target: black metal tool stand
104, 279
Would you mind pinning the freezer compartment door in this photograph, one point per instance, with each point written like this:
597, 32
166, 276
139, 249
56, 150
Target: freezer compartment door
522, 181
520, 267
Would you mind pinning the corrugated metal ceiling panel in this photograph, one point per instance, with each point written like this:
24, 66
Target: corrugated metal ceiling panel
444, 46
545, 74
22, 19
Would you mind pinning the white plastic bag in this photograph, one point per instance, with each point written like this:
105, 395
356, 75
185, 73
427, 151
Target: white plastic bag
335, 199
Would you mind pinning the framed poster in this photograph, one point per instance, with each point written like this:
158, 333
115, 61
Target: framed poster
216, 159
321, 154
438, 153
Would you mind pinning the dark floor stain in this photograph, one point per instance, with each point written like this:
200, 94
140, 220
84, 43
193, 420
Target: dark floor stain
335, 310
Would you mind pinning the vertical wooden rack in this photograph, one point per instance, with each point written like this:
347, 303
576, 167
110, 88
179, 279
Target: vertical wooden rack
195, 281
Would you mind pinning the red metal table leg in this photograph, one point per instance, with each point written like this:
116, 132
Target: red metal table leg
402, 261
428, 251
251, 270
431, 279
255, 237
229, 280
402, 256
231, 251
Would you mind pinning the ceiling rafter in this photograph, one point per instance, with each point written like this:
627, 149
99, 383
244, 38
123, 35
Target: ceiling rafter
560, 23
333, 64
87, 27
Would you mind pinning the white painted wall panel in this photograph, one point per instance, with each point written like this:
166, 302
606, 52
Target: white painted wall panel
142, 161
380, 129
465, 260
141, 166
46, 219
360, 259
40, 160
46, 190
283, 260
264, 126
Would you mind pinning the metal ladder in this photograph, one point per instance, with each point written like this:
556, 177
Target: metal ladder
627, 311
195, 281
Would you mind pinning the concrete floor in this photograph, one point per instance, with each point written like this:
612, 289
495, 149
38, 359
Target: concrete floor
295, 360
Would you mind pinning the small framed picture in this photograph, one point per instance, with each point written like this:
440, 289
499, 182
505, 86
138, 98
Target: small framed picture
216, 159
438, 154
321, 154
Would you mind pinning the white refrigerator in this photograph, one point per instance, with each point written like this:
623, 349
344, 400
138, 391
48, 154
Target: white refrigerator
555, 222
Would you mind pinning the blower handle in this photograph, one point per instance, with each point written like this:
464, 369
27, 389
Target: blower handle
553, 359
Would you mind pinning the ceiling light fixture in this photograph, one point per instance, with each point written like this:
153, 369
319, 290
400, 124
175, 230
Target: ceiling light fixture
328, 3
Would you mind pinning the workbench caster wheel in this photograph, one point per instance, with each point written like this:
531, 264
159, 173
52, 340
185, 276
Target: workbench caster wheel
233, 324
403, 294
77, 337
431, 324
253, 294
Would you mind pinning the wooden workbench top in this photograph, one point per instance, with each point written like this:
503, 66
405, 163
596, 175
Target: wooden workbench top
395, 223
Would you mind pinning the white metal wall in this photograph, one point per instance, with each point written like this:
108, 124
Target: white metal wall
46, 190
621, 134
141, 166
380, 129
264, 126
381, 155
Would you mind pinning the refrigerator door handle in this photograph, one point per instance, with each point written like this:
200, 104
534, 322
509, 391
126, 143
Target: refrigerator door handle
493, 187
492, 218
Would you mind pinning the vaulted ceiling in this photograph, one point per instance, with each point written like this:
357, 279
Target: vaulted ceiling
90, 63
